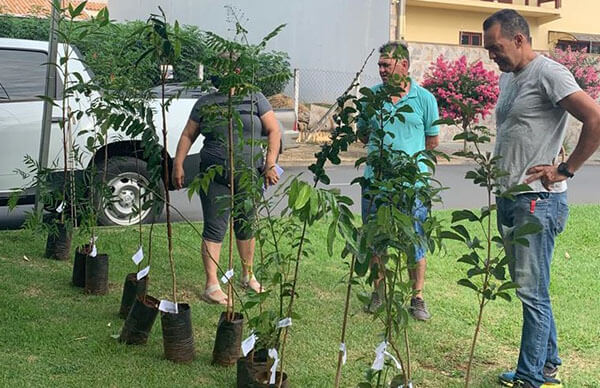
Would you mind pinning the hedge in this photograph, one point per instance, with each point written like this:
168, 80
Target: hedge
111, 56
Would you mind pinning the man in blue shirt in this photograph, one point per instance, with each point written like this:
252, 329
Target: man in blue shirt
415, 134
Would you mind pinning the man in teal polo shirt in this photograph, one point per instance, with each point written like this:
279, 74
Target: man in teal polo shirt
415, 134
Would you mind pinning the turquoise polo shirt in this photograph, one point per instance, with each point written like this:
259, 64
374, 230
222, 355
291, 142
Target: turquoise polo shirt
409, 136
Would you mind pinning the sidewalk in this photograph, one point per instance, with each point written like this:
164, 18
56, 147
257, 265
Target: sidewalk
304, 154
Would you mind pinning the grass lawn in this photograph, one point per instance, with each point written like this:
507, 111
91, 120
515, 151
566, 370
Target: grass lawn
53, 335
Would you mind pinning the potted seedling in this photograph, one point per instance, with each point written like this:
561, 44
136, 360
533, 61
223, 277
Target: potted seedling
165, 48
488, 254
235, 66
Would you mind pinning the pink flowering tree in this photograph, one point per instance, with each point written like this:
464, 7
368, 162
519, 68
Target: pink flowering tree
585, 67
465, 93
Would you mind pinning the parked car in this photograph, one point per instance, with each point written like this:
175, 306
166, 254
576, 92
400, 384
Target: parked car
22, 80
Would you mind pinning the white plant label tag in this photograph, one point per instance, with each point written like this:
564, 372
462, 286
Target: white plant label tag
398, 365
343, 350
138, 257
285, 322
248, 344
228, 275
167, 306
273, 354
93, 239
94, 251
143, 273
60, 207
379, 356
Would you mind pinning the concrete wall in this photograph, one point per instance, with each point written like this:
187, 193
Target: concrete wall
328, 39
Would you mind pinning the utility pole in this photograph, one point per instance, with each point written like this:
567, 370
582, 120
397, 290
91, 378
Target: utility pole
50, 91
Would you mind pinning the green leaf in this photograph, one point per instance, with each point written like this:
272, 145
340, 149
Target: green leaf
464, 215
508, 286
504, 296
331, 236
475, 271
303, 197
462, 231
516, 189
13, 200
471, 258
469, 284
48, 100
527, 229
499, 272
451, 236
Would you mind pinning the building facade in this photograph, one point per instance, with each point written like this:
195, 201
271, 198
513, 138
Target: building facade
454, 28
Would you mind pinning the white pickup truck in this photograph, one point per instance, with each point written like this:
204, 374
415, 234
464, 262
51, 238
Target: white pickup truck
22, 79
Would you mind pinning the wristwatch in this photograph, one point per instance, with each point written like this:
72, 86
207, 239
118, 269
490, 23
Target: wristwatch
563, 169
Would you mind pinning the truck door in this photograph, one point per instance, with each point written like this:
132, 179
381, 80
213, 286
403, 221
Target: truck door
22, 78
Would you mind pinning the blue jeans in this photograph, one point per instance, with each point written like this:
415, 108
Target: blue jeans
531, 270
420, 212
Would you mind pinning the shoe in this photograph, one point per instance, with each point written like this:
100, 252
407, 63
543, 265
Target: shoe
522, 384
418, 309
550, 374
207, 295
249, 281
374, 304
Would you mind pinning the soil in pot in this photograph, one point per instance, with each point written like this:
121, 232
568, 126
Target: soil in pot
132, 288
249, 366
96, 274
262, 380
140, 319
228, 341
178, 337
58, 244
81, 253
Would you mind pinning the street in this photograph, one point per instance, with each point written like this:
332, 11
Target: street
583, 189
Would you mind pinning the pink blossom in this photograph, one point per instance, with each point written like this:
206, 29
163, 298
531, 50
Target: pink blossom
585, 68
456, 84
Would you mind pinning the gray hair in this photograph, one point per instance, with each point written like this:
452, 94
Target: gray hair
511, 23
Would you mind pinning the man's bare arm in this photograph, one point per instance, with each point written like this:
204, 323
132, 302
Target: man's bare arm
586, 110
431, 142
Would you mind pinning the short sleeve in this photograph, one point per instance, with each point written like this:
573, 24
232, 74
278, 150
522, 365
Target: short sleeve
195, 114
262, 104
558, 82
431, 115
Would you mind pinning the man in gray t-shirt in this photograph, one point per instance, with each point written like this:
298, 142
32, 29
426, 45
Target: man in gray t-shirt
536, 95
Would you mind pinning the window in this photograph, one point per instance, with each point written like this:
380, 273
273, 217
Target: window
579, 45
22, 73
470, 38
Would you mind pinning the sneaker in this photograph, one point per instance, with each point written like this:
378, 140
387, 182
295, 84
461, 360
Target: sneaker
551, 371
418, 309
522, 384
550, 374
374, 304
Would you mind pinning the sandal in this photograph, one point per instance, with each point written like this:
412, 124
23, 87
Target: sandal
207, 297
249, 281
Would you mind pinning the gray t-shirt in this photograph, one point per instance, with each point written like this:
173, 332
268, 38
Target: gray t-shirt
530, 124
214, 127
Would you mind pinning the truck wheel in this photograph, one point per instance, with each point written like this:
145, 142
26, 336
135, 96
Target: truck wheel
128, 180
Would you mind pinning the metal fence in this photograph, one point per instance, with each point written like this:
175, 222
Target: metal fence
324, 86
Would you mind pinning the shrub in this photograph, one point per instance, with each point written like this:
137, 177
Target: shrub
112, 58
585, 68
456, 84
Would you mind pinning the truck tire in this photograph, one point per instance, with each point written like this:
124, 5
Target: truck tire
127, 179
